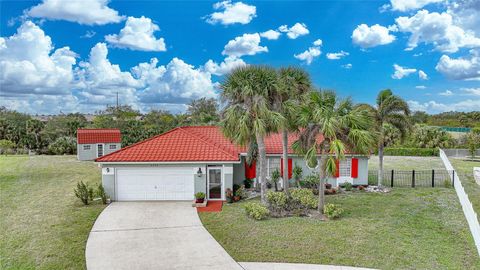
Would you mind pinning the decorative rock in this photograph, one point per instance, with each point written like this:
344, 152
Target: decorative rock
377, 189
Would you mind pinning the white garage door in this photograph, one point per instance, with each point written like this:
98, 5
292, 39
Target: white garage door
163, 183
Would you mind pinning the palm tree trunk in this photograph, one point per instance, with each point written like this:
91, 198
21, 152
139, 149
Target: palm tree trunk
321, 187
262, 164
285, 159
380, 163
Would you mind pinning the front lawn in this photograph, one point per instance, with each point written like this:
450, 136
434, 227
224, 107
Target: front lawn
421, 228
406, 163
464, 170
43, 225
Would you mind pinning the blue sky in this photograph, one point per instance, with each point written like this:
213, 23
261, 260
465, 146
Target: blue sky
75, 55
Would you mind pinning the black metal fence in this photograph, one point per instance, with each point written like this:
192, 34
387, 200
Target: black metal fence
413, 178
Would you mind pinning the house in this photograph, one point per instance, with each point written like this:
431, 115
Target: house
94, 143
185, 160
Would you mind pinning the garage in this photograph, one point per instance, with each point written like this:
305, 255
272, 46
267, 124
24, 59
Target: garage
151, 184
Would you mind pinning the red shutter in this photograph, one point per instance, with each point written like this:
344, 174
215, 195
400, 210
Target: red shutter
250, 171
354, 173
290, 168
337, 165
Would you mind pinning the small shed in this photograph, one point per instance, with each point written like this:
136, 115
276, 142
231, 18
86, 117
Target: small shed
95, 143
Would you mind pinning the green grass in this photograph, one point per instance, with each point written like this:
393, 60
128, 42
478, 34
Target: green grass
404, 229
464, 169
406, 163
43, 225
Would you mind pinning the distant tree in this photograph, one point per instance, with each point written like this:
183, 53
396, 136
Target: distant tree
34, 131
419, 117
392, 136
473, 140
430, 137
389, 109
6, 146
203, 111
63, 146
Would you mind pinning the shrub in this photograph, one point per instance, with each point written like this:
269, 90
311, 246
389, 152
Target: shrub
347, 186
82, 191
199, 195
421, 152
332, 211
241, 192
297, 173
310, 181
256, 211
248, 183
101, 193
275, 178
277, 202
63, 145
304, 197
6, 147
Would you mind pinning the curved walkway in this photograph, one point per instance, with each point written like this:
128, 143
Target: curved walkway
153, 235
294, 266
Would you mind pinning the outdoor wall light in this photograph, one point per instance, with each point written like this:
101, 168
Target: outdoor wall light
199, 172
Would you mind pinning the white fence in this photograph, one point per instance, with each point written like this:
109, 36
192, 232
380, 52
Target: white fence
459, 152
467, 207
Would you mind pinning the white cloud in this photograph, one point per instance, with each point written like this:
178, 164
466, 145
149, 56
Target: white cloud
232, 13
347, 66
446, 93
224, 67
270, 34
420, 87
465, 14
422, 75
407, 5
29, 63
175, 83
437, 29
297, 30
370, 36
247, 44
472, 91
436, 107
138, 35
401, 72
460, 68
312, 52
89, 34
336, 56
88, 12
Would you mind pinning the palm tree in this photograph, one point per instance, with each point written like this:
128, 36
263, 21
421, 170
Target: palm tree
248, 114
390, 109
342, 126
293, 84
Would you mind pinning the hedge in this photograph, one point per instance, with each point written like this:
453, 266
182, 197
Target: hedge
421, 152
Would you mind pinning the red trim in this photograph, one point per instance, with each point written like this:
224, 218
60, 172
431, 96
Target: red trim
337, 168
250, 171
354, 172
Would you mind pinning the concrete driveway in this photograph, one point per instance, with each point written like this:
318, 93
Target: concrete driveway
153, 235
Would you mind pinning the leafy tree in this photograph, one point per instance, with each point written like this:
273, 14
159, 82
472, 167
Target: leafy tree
63, 146
248, 113
389, 109
392, 135
293, 84
343, 127
34, 132
203, 111
6, 146
430, 137
473, 140
419, 117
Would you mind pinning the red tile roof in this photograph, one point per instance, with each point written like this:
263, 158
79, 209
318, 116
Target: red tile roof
195, 143
87, 136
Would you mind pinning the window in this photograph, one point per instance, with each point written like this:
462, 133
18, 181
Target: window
345, 167
113, 146
86, 147
273, 163
99, 150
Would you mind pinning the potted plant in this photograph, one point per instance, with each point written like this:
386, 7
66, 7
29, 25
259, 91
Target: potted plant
229, 195
199, 197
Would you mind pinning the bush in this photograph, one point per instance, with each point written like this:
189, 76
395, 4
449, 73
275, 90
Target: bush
332, 211
241, 192
304, 198
256, 211
83, 192
347, 186
63, 145
6, 147
101, 193
421, 152
310, 181
275, 178
248, 183
277, 202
